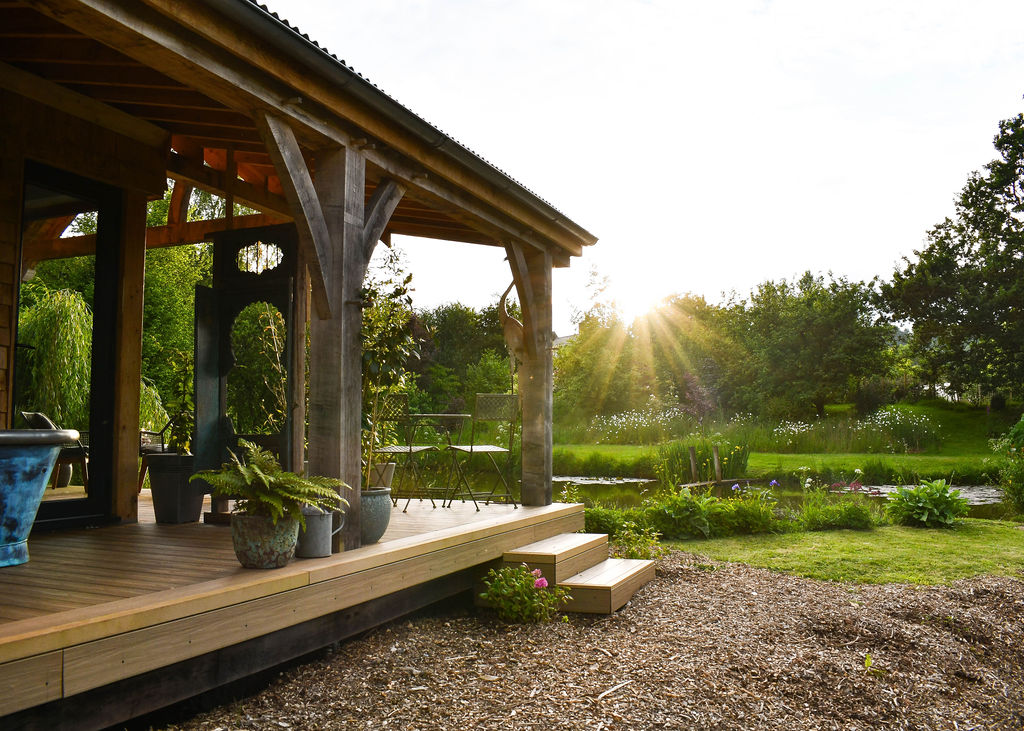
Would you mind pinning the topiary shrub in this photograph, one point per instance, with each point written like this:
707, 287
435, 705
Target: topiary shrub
932, 504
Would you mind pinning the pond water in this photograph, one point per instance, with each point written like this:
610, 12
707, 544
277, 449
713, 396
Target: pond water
985, 501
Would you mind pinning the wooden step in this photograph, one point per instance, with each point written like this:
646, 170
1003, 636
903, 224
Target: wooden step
561, 556
607, 586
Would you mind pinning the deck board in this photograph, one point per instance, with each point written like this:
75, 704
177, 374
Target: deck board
132, 598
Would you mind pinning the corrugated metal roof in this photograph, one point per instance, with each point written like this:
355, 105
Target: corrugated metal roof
322, 49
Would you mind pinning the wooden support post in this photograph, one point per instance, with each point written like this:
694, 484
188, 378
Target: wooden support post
335, 373
128, 355
11, 171
535, 383
694, 474
718, 462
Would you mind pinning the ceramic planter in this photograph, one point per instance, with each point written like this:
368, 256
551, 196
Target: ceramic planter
27, 457
260, 544
175, 500
374, 513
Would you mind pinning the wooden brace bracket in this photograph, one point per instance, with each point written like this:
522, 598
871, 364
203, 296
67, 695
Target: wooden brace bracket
297, 184
521, 277
379, 210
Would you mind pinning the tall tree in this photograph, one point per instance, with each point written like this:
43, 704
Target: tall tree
964, 291
809, 342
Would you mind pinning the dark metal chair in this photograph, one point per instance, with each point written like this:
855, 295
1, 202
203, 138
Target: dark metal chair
70, 453
502, 408
394, 413
151, 442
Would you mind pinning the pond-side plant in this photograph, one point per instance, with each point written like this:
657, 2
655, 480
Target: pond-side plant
637, 541
1011, 474
261, 487
932, 504
520, 595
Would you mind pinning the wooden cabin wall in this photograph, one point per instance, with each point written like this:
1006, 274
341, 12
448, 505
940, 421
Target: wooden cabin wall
44, 133
11, 171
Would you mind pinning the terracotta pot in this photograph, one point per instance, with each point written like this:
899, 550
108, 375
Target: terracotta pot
260, 544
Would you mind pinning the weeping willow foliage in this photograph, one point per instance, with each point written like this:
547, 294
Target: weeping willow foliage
58, 327
55, 371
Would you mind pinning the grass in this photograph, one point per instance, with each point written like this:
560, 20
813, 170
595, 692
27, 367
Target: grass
964, 469
885, 555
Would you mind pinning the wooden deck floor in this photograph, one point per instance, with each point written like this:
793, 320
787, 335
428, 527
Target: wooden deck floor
95, 606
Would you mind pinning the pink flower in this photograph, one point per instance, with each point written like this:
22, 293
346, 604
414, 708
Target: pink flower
536, 572
540, 583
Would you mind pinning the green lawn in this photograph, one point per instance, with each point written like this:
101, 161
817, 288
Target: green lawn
927, 466
884, 555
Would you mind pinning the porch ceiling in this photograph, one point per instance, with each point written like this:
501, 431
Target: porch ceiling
203, 129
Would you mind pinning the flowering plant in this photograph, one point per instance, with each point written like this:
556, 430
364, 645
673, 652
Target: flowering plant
520, 595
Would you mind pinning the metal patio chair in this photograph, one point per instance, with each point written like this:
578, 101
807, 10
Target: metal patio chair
502, 408
395, 412
70, 453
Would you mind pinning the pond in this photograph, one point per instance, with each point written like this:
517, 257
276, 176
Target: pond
985, 501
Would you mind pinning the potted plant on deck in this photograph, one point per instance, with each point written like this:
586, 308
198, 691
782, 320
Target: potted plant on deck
387, 344
269, 500
170, 464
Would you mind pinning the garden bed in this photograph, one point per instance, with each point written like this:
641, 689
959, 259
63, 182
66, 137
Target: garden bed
707, 644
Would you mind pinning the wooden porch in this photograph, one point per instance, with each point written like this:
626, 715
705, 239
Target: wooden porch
102, 607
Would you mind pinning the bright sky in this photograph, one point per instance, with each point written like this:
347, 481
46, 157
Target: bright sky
709, 145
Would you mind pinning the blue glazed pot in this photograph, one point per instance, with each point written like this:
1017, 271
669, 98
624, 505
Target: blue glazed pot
260, 544
27, 457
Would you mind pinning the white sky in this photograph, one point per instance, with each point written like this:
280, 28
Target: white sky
709, 145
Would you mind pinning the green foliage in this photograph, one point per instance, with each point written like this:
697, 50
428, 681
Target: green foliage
152, 414
748, 512
932, 504
607, 461
673, 465
681, 514
181, 405
520, 595
963, 291
821, 510
637, 541
601, 519
261, 487
57, 325
1011, 474
257, 402
806, 342
387, 345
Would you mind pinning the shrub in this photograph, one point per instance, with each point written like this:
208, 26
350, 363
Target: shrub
635, 541
520, 595
932, 504
680, 514
821, 511
746, 513
599, 519
1011, 475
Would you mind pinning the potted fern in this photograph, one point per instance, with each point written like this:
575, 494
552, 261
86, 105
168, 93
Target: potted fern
268, 504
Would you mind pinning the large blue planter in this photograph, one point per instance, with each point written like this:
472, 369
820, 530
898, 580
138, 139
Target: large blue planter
27, 457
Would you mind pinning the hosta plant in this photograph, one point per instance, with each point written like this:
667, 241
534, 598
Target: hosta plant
520, 595
261, 487
932, 504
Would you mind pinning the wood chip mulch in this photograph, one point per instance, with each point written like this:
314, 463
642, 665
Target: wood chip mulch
705, 645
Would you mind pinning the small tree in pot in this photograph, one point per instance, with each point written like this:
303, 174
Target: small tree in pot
170, 464
268, 509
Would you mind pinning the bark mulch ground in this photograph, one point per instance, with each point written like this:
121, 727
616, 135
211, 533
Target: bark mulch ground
706, 645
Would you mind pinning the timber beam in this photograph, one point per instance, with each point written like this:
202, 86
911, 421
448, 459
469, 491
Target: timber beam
193, 232
524, 288
190, 170
297, 183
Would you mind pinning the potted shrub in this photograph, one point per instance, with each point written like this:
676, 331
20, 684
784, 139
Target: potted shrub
387, 346
175, 499
269, 500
